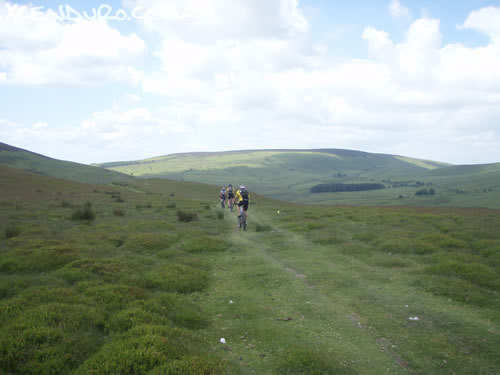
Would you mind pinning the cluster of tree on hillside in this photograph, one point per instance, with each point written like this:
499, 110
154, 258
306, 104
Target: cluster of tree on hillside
330, 188
410, 183
431, 191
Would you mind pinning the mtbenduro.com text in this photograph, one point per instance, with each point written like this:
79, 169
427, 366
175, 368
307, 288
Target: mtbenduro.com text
105, 12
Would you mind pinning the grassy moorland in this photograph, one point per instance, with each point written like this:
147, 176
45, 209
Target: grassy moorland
108, 279
45, 166
290, 174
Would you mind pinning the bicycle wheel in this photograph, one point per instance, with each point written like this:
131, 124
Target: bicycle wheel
244, 220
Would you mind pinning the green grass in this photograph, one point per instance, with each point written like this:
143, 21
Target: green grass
290, 174
45, 166
305, 290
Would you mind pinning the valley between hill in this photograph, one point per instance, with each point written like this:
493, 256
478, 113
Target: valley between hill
293, 175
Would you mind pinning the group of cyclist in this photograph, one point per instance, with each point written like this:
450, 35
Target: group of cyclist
240, 197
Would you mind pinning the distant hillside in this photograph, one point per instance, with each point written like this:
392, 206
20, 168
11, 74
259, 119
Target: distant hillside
291, 174
43, 165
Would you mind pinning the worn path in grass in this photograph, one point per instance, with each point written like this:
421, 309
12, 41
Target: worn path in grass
275, 320
287, 303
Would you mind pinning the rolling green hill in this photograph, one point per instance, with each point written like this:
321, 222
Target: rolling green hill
43, 165
290, 175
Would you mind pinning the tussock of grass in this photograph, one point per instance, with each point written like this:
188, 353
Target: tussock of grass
456, 289
119, 212
192, 365
134, 317
11, 231
445, 241
66, 204
148, 242
175, 307
263, 228
139, 351
85, 213
392, 262
179, 278
107, 270
478, 274
37, 349
327, 239
37, 259
186, 217
204, 244
113, 297
355, 249
308, 361
365, 236
220, 214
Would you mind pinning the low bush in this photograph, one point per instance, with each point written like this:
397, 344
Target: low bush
133, 317
141, 350
171, 205
327, 239
148, 242
84, 213
475, 273
107, 270
118, 212
192, 365
11, 231
308, 361
458, 290
186, 217
176, 308
40, 259
263, 228
220, 214
204, 244
177, 278
66, 204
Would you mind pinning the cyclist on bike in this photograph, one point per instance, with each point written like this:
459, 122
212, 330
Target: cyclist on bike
222, 196
242, 199
230, 196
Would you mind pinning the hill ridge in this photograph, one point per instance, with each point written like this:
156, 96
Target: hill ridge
35, 163
291, 174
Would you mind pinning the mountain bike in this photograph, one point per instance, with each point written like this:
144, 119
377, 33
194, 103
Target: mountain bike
242, 220
222, 202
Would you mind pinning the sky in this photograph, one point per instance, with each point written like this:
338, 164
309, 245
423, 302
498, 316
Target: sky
92, 81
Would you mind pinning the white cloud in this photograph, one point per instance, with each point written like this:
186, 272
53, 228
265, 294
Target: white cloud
37, 49
414, 97
485, 20
398, 10
212, 20
104, 136
418, 97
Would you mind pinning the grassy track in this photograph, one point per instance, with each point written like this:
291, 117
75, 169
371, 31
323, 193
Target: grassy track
300, 306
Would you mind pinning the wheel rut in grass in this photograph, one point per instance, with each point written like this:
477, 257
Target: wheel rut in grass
338, 317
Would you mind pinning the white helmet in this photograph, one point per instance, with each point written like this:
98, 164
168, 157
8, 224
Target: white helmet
243, 187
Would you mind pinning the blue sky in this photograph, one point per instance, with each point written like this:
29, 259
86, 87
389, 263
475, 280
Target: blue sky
414, 78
